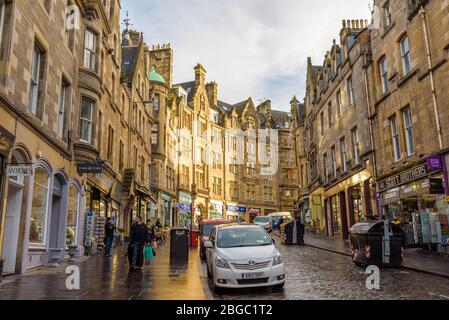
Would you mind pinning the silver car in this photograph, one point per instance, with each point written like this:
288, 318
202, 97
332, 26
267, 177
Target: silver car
264, 222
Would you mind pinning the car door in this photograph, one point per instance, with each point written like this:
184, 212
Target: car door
210, 251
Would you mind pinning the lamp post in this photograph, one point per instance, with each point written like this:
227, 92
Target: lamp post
192, 210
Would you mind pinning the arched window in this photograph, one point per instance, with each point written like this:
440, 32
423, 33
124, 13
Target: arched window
38, 223
72, 215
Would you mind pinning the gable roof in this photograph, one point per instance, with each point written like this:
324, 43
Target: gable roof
280, 118
189, 87
130, 57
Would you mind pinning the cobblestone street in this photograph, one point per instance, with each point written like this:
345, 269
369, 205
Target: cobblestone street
317, 274
311, 274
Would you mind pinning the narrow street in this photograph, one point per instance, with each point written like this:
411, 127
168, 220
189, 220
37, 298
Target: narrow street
311, 274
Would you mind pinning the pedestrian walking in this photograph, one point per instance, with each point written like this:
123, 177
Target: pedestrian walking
109, 237
158, 224
139, 235
151, 232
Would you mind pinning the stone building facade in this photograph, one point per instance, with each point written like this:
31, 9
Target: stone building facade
375, 118
410, 51
338, 134
78, 102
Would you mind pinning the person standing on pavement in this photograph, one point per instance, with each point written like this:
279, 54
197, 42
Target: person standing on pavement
109, 237
139, 234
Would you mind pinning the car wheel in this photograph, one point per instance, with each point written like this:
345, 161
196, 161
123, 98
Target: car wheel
279, 286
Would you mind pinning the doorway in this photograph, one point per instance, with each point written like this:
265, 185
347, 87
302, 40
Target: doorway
57, 215
12, 224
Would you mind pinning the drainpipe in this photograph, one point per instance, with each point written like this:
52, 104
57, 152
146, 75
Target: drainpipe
422, 12
371, 130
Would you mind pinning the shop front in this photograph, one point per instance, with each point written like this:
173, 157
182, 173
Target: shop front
253, 213
184, 210
317, 212
416, 199
235, 212
216, 209
166, 207
348, 202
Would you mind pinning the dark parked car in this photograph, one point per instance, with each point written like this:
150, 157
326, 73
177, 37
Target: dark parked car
205, 229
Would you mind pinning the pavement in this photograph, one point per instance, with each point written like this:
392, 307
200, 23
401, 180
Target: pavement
311, 274
103, 278
413, 259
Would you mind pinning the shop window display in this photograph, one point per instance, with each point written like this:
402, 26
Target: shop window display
336, 220
72, 214
39, 207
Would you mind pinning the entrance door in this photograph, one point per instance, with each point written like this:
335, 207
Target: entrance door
11, 230
344, 216
56, 215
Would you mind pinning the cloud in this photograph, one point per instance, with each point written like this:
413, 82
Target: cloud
256, 48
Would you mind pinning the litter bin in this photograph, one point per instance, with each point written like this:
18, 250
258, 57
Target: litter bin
292, 233
379, 243
179, 244
194, 238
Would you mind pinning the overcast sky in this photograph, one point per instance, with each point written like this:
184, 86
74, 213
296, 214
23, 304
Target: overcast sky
251, 48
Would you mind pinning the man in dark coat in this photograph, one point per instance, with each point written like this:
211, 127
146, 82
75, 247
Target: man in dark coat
139, 236
109, 236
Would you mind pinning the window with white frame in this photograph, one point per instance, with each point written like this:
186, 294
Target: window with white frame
388, 15
334, 161
383, 67
339, 104
330, 113
395, 139
405, 54
322, 123
355, 145
325, 168
36, 79
90, 44
2, 19
86, 119
408, 128
343, 155
62, 107
154, 134
350, 92
72, 215
216, 185
38, 225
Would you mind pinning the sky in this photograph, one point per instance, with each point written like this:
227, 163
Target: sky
251, 48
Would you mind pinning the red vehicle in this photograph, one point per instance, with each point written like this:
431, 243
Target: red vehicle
205, 229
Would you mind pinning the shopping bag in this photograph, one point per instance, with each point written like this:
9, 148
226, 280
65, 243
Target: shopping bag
149, 253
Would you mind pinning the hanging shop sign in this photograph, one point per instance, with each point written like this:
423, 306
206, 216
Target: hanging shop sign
405, 177
103, 182
21, 170
85, 168
6, 141
435, 163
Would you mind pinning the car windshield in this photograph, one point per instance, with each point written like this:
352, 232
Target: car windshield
262, 219
243, 237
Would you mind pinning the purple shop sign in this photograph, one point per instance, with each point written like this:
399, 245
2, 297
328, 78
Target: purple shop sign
435, 163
